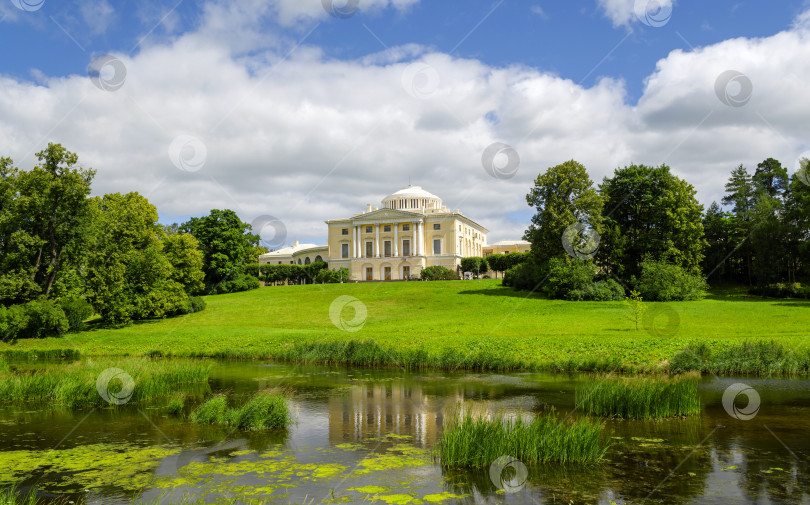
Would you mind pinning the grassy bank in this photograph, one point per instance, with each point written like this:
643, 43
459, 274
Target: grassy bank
453, 324
79, 384
476, 442
640, 397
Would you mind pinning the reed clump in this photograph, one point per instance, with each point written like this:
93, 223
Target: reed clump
641, 397
267, 410
477, 441
76, 384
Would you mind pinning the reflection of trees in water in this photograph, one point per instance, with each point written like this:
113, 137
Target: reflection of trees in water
545, 483
780, 476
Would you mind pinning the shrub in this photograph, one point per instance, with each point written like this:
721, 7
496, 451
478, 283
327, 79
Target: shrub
438, 273
522, 277
35, 319
326, 276
77, 310
600, 291
663, 282
782, 290
685, 361
196, 304
243, 282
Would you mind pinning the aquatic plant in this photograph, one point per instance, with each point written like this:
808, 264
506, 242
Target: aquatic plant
176, 403
640, 397
265, 411
760, 358
477, 441
75, 384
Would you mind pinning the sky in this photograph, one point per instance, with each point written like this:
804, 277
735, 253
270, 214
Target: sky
292, 112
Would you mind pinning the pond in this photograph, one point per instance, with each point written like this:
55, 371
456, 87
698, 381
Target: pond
365, 435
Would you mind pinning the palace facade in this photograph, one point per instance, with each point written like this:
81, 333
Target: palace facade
412, 230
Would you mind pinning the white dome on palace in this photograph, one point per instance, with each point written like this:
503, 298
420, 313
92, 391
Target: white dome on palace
412, 198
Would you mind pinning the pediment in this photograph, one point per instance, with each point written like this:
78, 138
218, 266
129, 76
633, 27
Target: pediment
383, 214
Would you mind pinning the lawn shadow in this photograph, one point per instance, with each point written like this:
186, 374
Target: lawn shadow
501, 291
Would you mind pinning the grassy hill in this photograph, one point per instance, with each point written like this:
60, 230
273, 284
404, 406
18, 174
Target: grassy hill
456, 324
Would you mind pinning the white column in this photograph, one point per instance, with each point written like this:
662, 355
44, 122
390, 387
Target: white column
396, 225
377, 242
419, 239
354, 241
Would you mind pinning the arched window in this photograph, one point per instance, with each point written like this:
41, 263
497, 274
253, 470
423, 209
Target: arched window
299, 261
318, 258
306, 261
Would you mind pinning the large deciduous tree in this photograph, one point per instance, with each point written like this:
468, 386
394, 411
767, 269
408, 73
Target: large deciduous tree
650, 214
226, 243
562, 196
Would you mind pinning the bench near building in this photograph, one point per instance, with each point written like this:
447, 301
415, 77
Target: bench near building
412, 230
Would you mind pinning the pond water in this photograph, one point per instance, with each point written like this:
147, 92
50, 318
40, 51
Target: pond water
366, 436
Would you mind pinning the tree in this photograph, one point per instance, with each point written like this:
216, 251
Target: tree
651, 214
183, 252
474, 264
562, 196
128, 276
635, 308
44, 223
718, 228
226, 243
740, 195
496, 263
771, 178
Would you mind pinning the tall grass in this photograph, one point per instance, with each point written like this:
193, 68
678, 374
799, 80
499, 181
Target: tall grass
760, 358
641, 397
267, 410
476, 441
3, 365
40, 354
74, 385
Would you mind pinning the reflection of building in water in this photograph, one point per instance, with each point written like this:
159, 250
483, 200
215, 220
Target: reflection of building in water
375, 410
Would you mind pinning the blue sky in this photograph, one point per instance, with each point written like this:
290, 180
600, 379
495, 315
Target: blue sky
307, 117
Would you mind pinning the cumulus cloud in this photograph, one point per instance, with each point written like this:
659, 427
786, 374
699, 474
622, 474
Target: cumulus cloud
305, 138
627, 12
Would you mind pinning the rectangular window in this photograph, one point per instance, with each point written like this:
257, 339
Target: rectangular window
368, 229
406, 227
437, 246
369, 249
387, 227
437, 226
344, 250
387, 248
344, 231
406, 247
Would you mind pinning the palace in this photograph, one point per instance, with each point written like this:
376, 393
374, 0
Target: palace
412, 230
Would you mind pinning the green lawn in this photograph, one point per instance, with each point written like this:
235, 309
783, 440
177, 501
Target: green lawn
465, 324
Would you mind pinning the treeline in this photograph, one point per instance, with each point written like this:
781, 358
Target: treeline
65, 255
643, 230
315, 273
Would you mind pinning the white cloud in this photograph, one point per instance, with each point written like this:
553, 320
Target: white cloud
627, 12
309, 138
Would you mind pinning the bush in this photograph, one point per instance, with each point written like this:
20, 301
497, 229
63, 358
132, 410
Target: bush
196, 304
77, 310
243, 282
438, 273
600, 291
523, 277
35, 319
326, 276
782, 290
685, 361
663, 282
567, 276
